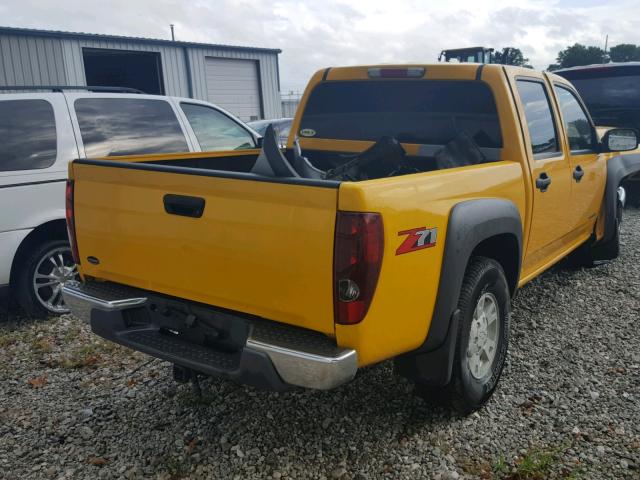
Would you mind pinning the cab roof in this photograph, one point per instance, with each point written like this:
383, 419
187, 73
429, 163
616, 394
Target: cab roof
461, 71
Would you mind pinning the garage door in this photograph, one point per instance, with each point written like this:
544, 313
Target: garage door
234, 85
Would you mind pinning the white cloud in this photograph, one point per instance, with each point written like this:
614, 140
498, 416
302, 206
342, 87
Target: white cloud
316, 34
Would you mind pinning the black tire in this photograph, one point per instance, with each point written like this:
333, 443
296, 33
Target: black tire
610, 249
465, 393
23, 284
587, 255
633, 193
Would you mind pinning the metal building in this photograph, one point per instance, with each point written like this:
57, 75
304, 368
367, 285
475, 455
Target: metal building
243, 80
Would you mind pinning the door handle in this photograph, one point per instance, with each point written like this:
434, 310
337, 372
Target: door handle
543, 182
578, 173
183, 205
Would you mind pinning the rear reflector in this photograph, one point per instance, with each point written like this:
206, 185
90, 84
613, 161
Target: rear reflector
71, 224
359, 245
413, 72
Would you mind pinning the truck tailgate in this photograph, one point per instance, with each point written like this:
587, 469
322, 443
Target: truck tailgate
259, 247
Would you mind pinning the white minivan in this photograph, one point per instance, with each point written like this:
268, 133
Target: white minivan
41, 131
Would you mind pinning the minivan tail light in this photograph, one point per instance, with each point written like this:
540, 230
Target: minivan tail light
71, 223
357, 257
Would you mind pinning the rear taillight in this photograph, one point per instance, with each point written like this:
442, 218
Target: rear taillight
71, 224
357, 257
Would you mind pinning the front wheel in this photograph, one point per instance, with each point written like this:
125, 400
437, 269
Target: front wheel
42, 273
482, 341
587, 255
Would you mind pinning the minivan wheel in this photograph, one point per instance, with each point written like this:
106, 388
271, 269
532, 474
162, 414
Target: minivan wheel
41, 276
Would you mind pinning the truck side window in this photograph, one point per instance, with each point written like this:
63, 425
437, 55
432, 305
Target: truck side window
27, 135
576, 122
128, 126
537, 111
214, 130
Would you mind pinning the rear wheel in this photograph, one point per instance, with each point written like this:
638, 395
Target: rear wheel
482, 340
40, 277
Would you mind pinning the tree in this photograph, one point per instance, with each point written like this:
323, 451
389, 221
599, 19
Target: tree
578, 54
511, 56
625, 52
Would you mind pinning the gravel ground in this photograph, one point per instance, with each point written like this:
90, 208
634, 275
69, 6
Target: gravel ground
568, 406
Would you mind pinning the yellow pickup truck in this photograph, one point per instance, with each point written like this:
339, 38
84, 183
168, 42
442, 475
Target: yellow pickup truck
410, 204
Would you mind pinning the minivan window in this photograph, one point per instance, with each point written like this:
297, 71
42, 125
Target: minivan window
576, 122
431, 112
27, 135
537, 111
214, 130
128, 126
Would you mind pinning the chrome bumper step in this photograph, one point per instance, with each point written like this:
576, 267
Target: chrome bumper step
299, 357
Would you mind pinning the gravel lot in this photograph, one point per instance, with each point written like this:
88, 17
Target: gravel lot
568, 405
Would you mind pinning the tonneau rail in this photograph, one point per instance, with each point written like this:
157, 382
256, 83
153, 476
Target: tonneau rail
205, 172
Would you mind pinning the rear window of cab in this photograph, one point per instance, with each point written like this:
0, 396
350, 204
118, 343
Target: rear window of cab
431, 112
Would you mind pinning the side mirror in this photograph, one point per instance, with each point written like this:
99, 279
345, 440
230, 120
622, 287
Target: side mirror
259, 142
620, 140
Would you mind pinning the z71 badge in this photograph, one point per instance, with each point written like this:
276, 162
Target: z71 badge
417, 239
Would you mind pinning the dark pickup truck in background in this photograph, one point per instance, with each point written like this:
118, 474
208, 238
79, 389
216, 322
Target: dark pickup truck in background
612, 94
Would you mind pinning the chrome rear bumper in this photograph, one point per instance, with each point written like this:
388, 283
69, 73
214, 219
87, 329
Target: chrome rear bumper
273, 352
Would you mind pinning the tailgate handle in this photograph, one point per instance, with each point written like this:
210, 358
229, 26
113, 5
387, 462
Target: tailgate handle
183, 205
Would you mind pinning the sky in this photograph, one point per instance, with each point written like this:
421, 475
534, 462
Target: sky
314, 34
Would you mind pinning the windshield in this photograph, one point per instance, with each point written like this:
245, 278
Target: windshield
282, 126
611, 94
431, 112
260, 126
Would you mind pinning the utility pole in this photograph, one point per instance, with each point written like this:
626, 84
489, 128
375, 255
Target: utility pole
173, 37
606, 44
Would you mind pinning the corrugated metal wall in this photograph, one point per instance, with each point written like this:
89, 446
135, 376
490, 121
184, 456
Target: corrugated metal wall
31, 61
26, 60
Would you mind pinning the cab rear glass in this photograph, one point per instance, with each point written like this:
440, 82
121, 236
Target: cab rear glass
429, 112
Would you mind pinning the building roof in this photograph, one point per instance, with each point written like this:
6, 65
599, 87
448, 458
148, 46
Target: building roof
30, 32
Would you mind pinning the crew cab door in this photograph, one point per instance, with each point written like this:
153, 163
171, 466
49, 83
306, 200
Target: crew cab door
588, 167
551, 225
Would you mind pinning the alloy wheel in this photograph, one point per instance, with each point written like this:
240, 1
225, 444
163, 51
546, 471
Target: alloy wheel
54, 269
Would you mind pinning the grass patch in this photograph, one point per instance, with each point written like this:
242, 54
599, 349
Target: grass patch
84, 356
177, 468
577, 474
42, 345
536, 464
72, 334
8, 339
500, 467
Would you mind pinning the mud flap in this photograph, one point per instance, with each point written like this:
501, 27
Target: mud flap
432, 368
